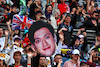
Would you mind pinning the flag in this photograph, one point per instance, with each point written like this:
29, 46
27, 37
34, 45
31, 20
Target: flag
21, 22
23, 7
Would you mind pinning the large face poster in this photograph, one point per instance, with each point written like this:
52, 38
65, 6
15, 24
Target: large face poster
41, 35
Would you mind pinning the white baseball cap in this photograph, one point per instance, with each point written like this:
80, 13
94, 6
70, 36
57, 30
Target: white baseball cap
81, 36
76, 51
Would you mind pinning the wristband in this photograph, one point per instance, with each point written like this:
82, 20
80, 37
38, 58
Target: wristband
28, 64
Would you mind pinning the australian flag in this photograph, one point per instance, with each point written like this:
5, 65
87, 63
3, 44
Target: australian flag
21, 22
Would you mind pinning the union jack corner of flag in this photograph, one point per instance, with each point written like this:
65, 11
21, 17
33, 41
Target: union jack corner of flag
21, 22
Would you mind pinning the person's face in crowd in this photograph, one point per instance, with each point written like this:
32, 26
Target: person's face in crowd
6, 11
42, 61
68, 19
75, 57
44, 41
73, 10
98, 38
79, 8
62, 1
18, 41
14, 9
81, 40
16, 31
1, 63
17, 57
57, 58
38, 16
77, 42
95, 57
49, 9
95, 15
1, 32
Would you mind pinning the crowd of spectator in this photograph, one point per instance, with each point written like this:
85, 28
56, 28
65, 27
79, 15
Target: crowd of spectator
18, 50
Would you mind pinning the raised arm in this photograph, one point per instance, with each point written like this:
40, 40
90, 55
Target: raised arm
8, 25
47, 2
6, 38
88, 4
62, 20
30, 55
61, 36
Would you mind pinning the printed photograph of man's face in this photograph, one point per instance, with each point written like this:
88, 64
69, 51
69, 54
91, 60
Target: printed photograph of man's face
42, 37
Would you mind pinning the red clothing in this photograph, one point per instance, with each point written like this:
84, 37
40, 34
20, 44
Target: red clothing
26, 41
5, 17
58, 20
62, 8
91, 64
17, 65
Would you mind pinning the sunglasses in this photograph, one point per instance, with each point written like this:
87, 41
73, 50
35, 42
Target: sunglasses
77, 54
96, 15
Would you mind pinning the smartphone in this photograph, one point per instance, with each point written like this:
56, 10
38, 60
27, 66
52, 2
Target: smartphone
1, 17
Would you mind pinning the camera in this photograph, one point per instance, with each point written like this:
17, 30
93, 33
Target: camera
30, 49
1, 17
98, 54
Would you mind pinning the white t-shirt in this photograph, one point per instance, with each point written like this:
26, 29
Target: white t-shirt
2, 43
12, 50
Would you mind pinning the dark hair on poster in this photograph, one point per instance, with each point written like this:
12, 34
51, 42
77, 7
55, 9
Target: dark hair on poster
36, 26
